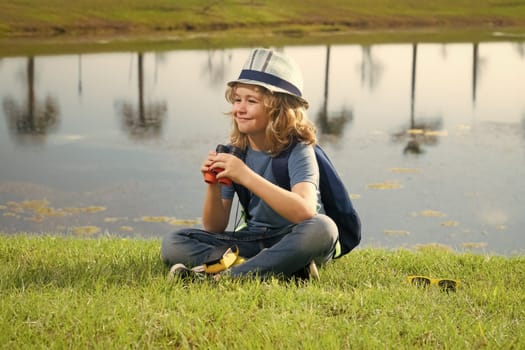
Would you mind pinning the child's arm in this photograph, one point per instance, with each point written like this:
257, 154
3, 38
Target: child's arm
216, 211
296, 205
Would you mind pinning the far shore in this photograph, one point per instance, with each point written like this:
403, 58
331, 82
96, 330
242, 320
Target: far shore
42, 27
165, 41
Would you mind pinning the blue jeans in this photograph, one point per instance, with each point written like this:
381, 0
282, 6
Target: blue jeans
267, 252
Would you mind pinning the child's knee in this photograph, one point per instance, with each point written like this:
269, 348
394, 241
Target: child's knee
169, 249
320, 231
325, 225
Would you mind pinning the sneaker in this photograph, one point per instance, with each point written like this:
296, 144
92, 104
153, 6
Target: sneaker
309, 272
313, 272
182, 272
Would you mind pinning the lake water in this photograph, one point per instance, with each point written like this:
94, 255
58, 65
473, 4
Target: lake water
429, 138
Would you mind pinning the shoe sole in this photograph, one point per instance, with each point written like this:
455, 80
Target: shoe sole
313, 271
179, 270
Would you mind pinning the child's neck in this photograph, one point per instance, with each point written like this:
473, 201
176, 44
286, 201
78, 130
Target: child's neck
258, 143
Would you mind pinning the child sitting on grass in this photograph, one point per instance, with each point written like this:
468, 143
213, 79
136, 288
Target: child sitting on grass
285, 235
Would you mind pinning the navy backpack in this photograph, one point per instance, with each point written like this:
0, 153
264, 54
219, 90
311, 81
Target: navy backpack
334, 196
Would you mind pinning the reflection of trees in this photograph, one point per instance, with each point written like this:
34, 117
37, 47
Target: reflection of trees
520, 48
523, 124
331, 123
477, 69
31, 120
371, 70
159, 57
146, 120
216, 68
420, 132
79, 75
444, 51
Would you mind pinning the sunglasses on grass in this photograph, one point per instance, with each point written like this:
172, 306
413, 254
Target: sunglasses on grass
445, 284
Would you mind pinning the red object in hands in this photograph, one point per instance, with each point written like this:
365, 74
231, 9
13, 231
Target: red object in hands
225, 181
211, 178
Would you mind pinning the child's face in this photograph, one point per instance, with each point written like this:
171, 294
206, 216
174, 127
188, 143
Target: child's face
248, 110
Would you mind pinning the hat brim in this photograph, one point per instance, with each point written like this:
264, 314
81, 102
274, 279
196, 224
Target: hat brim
269, 87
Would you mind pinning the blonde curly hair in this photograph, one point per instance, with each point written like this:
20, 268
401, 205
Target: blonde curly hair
288, 121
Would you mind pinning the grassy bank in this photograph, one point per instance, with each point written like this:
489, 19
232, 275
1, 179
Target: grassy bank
52, 17
186, 23
113, 293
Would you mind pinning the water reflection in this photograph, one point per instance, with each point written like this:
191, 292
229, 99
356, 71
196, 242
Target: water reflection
217, 67
371, 69
331, 124
520, 48
119, 144
32, 119
424, 131
79, 75
475, 71
145, 121
523, 124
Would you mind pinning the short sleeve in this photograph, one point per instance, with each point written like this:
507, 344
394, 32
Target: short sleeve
302, 165
227, 192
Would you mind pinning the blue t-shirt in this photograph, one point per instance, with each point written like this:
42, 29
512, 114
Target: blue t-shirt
302, 167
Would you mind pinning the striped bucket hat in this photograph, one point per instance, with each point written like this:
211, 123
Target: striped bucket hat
274, 71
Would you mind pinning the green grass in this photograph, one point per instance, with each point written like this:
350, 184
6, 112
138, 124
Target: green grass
187, 15
58, 292
52, 26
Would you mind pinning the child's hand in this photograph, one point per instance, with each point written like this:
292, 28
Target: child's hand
207, 163
230, 166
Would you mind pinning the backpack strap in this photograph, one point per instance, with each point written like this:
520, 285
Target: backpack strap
280, 167
244, 197
242, 192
